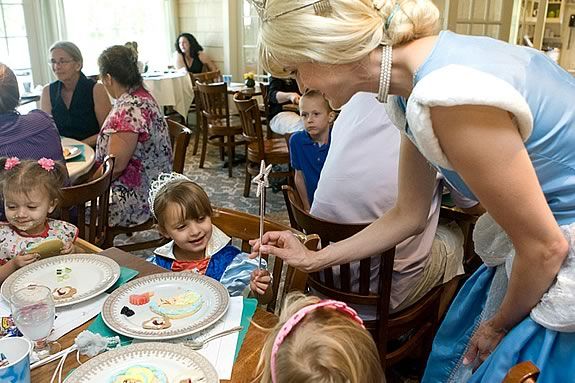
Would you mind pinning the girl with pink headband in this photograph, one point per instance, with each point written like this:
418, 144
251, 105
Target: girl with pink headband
31, 190
319, 341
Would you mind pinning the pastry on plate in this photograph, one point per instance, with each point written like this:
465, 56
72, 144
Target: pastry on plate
63, 292
157, 323
140, 374
179, 306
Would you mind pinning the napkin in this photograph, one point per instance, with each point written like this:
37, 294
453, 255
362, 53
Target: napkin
81, 157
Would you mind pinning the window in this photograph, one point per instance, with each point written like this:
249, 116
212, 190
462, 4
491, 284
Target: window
14, 41
250, 24
94, 26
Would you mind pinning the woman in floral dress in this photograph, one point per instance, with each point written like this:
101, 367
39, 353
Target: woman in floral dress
135, 133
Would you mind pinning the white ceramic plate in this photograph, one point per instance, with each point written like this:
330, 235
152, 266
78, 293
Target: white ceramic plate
214, 296
89, 274
73, 152
177, 362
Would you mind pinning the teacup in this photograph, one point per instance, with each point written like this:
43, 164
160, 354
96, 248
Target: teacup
17, 352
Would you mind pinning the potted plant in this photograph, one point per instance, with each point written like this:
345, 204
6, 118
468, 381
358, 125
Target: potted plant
249, 79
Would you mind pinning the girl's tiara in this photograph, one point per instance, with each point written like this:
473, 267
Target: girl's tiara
298, 317
320, 7
160, 183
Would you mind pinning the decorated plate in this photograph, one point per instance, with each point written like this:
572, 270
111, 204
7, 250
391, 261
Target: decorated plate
71, 152
72, 278
167, 362
165, 306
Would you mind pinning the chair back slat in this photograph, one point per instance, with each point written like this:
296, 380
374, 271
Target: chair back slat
345, 273
90, 199
264, 88
180, 138
251, 121
215, 108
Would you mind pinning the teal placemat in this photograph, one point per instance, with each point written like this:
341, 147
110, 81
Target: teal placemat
81, 157
126, 274
250, 305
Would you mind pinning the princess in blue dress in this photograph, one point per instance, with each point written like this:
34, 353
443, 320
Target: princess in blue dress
183, 211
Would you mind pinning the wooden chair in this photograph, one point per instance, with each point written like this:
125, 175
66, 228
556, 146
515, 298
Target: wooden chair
244, 227
180, 138
206, 78
272, 150
90, 201
417, 323
219, 128
524, 372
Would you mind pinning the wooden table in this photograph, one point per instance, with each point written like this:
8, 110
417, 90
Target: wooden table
234, 87
244, 367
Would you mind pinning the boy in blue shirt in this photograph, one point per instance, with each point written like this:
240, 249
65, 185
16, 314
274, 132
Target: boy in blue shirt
309, 147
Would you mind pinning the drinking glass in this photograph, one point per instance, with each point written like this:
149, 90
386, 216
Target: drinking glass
33, 312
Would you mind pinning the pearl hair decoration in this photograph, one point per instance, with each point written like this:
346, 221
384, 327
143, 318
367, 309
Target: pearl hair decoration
163, 180
385, 73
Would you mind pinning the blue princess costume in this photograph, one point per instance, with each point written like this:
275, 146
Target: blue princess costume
224, 262
471, 70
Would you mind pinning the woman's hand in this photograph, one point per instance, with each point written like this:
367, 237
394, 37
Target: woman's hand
285, 245
482, 344
294, 98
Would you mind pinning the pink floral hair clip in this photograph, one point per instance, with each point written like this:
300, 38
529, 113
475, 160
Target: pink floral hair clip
46, 163
11, 162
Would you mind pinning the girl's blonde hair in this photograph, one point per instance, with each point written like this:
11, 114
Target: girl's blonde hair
191, 199
326, 346
349, 33
29, 175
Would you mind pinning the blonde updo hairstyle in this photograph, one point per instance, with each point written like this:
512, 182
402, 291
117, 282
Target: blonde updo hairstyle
349, 33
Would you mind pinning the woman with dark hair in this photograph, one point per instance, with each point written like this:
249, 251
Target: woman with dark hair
135, 133
78, 105
191, 55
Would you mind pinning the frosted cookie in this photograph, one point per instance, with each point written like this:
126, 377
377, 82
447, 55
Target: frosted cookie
157, 323
140, 299
140, 374
63, 292
179, 306
46, 248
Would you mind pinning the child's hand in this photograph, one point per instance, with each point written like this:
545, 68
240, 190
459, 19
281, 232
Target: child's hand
294, 98
22, 260
68, 247
260, 281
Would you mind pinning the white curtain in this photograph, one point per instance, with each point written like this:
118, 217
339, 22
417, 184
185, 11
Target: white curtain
172, 25
46, 24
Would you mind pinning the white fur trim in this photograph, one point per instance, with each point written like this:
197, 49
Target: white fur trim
218, 241
460, 85
395, 113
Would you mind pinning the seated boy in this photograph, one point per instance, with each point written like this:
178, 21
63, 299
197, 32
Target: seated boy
309, 147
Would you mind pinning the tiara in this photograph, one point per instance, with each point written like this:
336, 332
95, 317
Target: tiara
320, 7
163, 180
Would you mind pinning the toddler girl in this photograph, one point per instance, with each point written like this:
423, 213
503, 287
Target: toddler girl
319, 341
31, 190
183, 211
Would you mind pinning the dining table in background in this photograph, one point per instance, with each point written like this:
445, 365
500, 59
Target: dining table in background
78, 167
234, 87
171, 89
247, 359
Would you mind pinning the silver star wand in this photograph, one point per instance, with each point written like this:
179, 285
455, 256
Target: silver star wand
262, 181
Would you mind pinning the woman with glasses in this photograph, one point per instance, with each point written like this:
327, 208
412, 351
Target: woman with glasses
497, 121
78, 105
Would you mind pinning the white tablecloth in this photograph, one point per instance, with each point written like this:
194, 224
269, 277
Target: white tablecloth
77, 169
171, 89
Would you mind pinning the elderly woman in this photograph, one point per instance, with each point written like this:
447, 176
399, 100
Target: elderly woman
78, 105
135, 133
191, 55
478, 111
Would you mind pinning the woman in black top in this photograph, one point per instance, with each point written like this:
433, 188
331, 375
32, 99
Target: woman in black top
191, 55
78, 105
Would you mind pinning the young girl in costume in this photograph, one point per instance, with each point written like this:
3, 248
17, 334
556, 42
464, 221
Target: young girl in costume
183, 211
30, 191
319, 341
